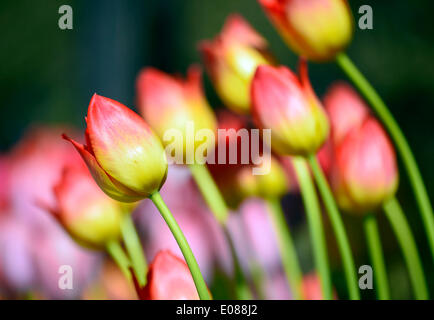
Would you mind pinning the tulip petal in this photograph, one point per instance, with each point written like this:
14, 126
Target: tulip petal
125, 147
169, 279
108, 184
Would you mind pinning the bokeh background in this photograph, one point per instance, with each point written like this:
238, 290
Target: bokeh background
48, 75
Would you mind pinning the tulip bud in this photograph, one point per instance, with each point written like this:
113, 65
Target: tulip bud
288, 106
123, 154
346, 110
365, 172
314, 29
169, 103
169, 279
231, 60
235, 180
89, 216
273, 184
239, 181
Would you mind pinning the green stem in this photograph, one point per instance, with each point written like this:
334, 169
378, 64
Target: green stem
313, 214
242, 289
398, 137
258, 277
210, 192
134, 249
119, 257
183, 245
288, 253
215, 201
376, 255
406, 240
338, 227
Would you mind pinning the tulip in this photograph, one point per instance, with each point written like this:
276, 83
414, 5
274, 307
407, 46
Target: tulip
238, 181
32, 261
253, 234
315, 29
89, 216
124, 155
169, 279
55, 251
288, 106
273, 184
365, 173
231, 60
17, 256
168, 103
345, 108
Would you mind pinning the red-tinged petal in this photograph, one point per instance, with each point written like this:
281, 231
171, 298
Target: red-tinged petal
237, 29
231, 59
54, 211
125, 147
366, 170
156, 90
168, 103
345, 108
315, 29
297, 121
90, 216
108, 184
170, 279
193, 85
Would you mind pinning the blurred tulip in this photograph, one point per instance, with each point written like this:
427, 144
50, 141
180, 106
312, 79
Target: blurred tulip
273, 184
238, 181
312, 287
57, 250
254, 236
16, 257
89, 215
169, 279
288, 106
276, 287
314, 29
111, 284
345, 108
169, 103
365, 173
231, 60
325, 157
35, 164
123, 154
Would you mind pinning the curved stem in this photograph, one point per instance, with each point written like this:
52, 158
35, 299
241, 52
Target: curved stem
215, 201
377, 257
287, 248
405, 238
183, 245
134, 249
313, 214
398, 137
338, 227
119, 257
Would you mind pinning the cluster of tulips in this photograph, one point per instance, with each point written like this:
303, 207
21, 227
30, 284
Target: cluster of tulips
334, 152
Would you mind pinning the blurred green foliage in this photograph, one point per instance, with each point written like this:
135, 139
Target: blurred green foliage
48, 75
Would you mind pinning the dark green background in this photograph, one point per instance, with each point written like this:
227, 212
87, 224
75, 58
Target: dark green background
48, 75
